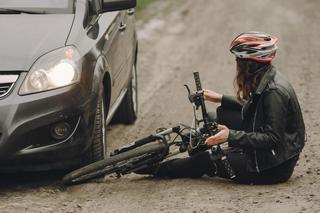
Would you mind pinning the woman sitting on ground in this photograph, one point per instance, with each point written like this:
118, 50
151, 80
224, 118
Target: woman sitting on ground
263, 125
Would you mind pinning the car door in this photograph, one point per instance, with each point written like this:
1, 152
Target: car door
129, 43
126, 42
114, 52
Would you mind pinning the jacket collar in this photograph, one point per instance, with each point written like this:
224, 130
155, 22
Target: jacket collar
265, 80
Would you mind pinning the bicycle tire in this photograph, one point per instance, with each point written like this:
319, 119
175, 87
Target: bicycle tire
92, 170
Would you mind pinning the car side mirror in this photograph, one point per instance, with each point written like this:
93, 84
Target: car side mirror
114, 5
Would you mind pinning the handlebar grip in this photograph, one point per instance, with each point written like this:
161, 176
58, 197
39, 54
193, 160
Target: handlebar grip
168, 131
197, 80
227, 167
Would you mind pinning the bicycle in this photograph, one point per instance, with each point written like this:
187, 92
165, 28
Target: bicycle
157, 147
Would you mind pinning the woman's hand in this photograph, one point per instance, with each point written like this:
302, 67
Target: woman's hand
220, 137
212, 96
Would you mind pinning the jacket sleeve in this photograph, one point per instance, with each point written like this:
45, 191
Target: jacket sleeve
231, 102
271, 133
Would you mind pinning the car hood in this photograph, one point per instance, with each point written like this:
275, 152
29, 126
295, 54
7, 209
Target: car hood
25, 37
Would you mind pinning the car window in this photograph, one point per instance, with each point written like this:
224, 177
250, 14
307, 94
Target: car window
39, 6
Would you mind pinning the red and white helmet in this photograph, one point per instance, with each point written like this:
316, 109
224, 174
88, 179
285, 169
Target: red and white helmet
258, 46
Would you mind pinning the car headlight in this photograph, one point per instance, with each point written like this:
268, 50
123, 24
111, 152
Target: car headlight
56, 69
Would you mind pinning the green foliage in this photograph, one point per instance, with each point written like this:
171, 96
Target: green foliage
142, 4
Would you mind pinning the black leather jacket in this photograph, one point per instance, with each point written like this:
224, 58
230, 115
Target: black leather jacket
273, 127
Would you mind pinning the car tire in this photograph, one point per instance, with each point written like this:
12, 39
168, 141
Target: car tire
128, 109
97, 150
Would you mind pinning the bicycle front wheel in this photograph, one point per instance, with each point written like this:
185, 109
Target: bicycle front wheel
107, 166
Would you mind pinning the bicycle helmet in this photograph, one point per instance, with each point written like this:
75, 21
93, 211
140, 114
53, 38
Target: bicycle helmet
257, 46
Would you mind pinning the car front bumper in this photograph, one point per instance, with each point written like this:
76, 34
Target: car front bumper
25, 123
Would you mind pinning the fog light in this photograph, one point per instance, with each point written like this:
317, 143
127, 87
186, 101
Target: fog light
60, 131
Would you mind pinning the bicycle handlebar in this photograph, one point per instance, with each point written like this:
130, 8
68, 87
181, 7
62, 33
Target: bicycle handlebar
211, 128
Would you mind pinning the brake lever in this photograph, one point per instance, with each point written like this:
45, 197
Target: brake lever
190, 96
194, 98
187, 87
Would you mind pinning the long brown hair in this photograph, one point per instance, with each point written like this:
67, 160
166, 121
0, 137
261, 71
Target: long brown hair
249, 75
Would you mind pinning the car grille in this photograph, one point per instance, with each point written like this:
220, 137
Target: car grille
5, 88
7, 82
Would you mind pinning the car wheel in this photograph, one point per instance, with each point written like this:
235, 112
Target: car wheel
128, 109
97, 150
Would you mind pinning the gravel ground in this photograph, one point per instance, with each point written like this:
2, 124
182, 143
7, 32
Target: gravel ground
177, 38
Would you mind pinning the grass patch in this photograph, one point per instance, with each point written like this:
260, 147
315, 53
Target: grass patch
141, 4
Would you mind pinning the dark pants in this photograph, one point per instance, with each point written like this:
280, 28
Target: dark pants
201, 163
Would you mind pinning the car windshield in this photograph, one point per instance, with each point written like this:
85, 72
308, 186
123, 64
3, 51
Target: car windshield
37, 6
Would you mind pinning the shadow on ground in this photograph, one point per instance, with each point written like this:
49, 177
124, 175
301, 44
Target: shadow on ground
30, 179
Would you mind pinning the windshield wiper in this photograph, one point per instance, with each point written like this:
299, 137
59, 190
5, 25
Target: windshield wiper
18, 11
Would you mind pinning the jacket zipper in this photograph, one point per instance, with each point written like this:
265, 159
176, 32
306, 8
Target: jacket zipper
253, 129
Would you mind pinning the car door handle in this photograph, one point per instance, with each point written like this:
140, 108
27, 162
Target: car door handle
130, 11
122, 27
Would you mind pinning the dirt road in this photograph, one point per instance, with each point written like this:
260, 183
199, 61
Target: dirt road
177, 38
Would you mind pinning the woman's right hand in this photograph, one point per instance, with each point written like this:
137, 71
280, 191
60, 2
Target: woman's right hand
212, 96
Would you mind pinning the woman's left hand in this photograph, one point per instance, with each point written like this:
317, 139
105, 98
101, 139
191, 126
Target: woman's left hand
220, 137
